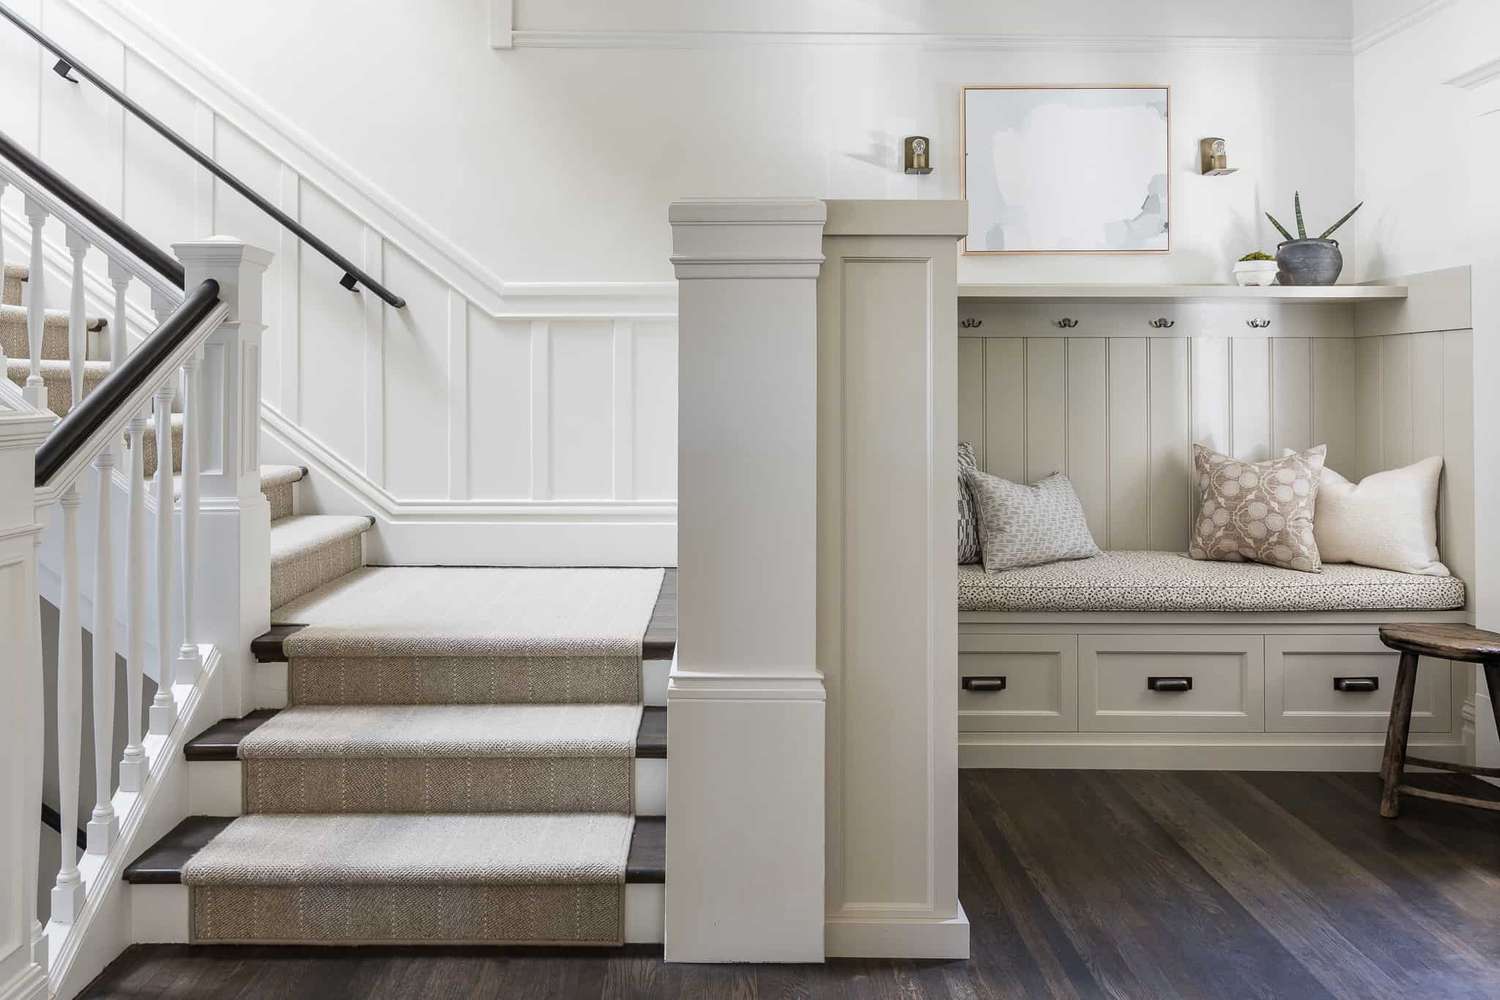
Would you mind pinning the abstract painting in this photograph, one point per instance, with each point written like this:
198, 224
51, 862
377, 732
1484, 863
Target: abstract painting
1066, 169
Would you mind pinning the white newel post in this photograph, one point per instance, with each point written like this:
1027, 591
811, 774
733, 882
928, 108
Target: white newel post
233, 534
887, 575
745, 803
23, 974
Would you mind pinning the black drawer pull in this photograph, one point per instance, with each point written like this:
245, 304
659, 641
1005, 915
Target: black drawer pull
1169, 684
1352, 685
984, 683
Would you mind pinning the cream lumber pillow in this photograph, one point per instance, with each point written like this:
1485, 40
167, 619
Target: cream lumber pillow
1387, 520
1257, 511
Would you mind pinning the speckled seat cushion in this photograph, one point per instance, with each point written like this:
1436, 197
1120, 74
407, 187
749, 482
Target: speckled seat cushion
1170, 581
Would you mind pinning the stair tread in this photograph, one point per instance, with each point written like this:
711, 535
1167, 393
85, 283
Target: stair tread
221, 741
301, 533
11, 313
280, 475
164, 861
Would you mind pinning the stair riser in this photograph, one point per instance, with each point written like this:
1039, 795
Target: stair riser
281, 497
216, 788
15, 336
58, 381
14, 281
160, 914
269, 684
309, 570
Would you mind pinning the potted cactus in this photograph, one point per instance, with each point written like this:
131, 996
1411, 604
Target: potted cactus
1304, 261
1256, 268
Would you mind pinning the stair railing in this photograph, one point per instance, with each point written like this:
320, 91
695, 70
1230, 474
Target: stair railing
192, 616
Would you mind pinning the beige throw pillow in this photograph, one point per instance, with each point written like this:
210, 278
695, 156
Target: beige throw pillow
1387, 520
1023, 525
1257, 511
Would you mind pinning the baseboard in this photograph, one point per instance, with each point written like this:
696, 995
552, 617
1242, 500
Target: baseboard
474, 533
1194, 751
28, 984
897, 937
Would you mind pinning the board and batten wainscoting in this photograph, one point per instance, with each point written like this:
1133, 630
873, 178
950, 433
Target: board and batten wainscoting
1112, 387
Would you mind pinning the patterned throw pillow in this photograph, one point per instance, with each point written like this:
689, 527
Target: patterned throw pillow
1257, 511
968, 527
1029, 525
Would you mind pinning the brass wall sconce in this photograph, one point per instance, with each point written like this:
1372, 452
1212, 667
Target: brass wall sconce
1213, 157
918, 155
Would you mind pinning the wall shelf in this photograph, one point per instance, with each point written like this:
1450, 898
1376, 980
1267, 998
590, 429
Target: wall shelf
1269, 294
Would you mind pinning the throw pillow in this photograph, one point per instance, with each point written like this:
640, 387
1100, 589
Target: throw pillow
1029, 525
1387, 520
1257, 511
968, 527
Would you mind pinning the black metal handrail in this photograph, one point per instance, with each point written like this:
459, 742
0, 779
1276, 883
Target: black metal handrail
353, 277
84, 420
96, 214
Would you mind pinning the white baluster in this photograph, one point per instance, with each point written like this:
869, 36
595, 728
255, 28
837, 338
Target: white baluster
189, 659
104, 826
133, 765
67, 893
78, 336
119, 343
164, 708
36, 389
4, 362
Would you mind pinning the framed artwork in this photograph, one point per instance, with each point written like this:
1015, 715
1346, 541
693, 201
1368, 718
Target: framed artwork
1066, 169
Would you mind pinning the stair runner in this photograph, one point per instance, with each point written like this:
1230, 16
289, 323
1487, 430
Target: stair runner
456, 761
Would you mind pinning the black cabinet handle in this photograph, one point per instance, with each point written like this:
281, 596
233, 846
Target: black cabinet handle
1356, 684
984, 683
1169, 684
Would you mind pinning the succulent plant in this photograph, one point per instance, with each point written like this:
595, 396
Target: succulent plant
1301, 228
1257, 255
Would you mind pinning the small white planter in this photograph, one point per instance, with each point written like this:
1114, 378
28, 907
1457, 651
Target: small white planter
1255, 272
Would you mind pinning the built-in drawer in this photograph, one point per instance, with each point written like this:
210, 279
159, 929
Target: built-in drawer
1171, 683
1017, 683
1343, 683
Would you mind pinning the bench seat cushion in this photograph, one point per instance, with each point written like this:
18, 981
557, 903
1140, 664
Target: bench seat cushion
1170, 581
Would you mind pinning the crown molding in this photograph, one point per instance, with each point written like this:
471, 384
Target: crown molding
585, 39
1477, 77
1396, 26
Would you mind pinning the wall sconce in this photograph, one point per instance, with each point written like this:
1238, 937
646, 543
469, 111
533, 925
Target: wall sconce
917, 155
1213, 157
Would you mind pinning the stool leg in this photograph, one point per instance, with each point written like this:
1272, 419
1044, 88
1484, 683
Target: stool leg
1492, 678
1394, 762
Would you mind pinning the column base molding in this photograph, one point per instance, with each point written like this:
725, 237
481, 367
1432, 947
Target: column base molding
871, 935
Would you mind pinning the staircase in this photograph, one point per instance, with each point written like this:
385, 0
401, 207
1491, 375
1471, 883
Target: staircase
444, 755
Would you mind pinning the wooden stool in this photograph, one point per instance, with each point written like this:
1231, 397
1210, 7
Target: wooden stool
1446, 642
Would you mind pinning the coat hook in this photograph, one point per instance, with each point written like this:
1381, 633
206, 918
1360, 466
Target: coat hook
1163, 323
1067, 323
971, 323
1258, 324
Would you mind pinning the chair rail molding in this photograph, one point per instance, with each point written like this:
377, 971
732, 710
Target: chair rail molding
745, 697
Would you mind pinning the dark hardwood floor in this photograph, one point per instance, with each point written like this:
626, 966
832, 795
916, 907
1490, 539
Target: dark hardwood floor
1126, 884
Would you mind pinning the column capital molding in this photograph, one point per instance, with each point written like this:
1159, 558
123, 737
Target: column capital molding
747, 238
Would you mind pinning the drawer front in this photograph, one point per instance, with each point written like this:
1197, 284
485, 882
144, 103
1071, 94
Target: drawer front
1040, 683
1171, 683
1301, 695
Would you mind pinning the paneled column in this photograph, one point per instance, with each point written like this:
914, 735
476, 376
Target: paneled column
22, 946
233, 541
745, 719
887, 575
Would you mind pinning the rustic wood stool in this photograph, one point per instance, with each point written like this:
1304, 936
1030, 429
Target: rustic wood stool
1446, 642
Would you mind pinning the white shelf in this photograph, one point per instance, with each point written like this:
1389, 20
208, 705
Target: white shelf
1180, 293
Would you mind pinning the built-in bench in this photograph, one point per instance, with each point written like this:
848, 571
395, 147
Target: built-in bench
1153, 659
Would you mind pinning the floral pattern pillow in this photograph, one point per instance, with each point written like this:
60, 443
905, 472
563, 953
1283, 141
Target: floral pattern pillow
1257, 511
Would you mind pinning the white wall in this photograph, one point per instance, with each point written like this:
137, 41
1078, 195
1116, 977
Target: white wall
461, 173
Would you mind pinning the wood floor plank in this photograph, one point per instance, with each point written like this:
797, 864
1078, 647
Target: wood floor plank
1134, 885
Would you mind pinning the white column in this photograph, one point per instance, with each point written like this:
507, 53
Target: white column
189, 659
78, 336
36, 302
134, 766
1484, 87
887, 575
234, 541
164, 706
104, 825
23, 953
68, 891
745, 803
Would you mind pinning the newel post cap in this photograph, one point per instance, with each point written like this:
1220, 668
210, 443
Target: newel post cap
747, 237
237, 266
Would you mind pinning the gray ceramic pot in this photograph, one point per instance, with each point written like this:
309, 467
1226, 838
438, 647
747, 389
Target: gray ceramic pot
1309, 262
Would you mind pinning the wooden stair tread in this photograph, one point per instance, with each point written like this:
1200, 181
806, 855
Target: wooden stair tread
163, 861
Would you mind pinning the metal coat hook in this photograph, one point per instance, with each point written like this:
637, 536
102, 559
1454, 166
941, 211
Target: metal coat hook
971, 323
1067, 323
1257, 324
1163, 323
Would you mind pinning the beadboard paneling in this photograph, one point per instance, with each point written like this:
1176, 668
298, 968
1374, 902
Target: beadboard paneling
1119, 415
